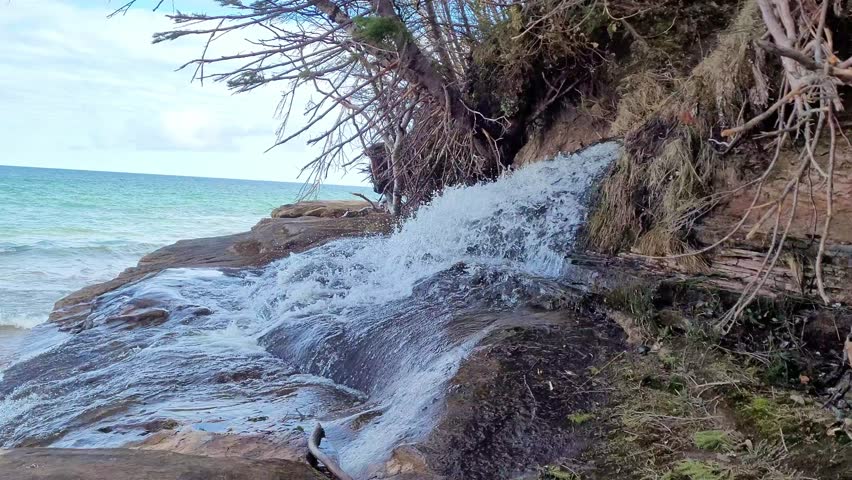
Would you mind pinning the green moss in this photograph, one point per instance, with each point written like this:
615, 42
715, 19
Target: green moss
559, 474
712, 440
579, 418
697, 470
764, 414
761, 407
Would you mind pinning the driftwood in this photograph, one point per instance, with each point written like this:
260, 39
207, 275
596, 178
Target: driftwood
317, 455
732, 269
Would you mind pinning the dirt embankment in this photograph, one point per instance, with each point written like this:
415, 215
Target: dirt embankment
703, 394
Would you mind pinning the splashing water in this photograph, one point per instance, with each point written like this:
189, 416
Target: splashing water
360, 333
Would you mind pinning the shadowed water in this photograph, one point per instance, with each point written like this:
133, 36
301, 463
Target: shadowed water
361, 334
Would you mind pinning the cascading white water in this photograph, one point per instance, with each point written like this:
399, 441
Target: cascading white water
379, 316
524, 222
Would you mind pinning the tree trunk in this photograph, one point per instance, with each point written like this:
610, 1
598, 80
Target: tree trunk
438, 40
396, 171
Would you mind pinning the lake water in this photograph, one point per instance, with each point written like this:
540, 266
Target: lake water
61, 230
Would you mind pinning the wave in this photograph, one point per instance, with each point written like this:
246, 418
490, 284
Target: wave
76, 249
21, 321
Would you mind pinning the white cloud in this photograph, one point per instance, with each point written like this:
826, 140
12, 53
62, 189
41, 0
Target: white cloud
75, 85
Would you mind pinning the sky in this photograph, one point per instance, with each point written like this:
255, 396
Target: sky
80, 91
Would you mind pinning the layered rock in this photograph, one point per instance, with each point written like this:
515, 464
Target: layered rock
126, 464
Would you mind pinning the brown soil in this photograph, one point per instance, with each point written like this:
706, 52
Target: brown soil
586, 126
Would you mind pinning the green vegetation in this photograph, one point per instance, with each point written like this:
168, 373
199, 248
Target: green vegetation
579, 418
712, 440
697, 470
557, 473
635, 299
658, 187
695, 407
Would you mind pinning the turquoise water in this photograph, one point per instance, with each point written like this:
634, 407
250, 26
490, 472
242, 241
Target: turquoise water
61, 230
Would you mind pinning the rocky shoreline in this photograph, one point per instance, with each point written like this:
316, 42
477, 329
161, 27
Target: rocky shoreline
569, 384
110, 464
463, 445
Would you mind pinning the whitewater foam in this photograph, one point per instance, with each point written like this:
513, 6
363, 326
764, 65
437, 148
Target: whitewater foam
23, 321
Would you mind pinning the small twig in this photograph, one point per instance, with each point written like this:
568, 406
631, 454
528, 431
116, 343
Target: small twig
826, 228
529, 390
601, 369
763, 116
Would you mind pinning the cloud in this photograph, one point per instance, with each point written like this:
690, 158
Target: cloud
74, 81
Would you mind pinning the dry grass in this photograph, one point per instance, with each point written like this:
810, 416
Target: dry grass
642, 95
664, 181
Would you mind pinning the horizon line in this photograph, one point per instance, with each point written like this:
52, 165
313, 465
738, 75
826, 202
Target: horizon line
181, 176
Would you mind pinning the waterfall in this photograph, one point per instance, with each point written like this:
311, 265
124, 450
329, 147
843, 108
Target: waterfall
360, 333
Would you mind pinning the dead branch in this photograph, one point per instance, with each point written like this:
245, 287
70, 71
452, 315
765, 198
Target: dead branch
372, 204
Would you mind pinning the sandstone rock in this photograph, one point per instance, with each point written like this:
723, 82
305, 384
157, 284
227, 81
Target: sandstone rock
505, 409
126, 464
269, 240
188, 441
320, 208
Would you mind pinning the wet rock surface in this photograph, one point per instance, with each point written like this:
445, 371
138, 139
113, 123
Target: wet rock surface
509, 409
290, 229
126, 464
454, 348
